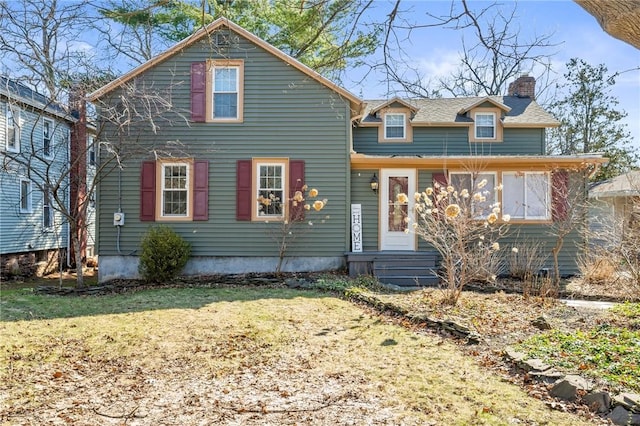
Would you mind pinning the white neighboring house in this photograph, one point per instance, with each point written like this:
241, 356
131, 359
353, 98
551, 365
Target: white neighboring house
35, 150
615, 204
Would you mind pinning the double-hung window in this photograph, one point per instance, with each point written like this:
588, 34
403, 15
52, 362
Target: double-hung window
226, 88
91, 151
47, 211
13, 129
25, 196
485, 125
175, 183
270, 187
394, 126
47, 136
526, 195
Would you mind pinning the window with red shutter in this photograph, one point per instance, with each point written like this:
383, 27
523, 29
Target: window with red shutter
148, 191
198, 91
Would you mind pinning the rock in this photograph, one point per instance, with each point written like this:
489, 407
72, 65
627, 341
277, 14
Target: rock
568, 387
514, 355
629, 401
620, 416
541, 323
533, 365
547, 376
598, 402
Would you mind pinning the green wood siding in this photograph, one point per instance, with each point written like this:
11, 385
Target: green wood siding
24, 231
361, 193
286, 114
436, 141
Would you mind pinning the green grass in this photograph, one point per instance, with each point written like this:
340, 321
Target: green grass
609, 350
239, 355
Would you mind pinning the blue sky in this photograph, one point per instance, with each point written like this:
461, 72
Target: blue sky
578, 34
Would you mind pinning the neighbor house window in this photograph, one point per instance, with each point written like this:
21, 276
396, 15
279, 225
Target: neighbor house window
270, 188
47, 211
526, 195
479, 186
175, 183
394, 126
226, 90
47, 136
25, 196
13, 129
485, 125
91, 149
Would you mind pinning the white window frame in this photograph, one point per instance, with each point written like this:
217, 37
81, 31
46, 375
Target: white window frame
12, 122
91, 151
235, 91
259, 210
387, 126
186, 189
47, 208
493, 125
52, 127
26, 204
527, 194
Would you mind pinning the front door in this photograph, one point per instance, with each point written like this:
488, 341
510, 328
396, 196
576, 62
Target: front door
394, 214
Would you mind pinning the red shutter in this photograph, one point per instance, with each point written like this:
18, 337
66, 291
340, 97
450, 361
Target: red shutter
198, 91
296, 182
439, 180
243, 190
148, 191
559, 195
201, 190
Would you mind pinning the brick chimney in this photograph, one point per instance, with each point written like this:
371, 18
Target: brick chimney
523, 86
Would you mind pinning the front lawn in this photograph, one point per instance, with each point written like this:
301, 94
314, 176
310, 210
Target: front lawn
238, 356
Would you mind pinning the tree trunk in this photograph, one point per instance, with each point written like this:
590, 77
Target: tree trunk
75, 241
621, 19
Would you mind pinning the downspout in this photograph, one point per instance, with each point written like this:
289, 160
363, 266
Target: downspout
68, 207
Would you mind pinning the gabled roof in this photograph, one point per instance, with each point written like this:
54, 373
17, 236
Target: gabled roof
23, 94
519, 111
625, 185
481, 101
392, 101
355, 102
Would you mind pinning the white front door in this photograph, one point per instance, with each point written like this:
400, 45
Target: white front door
394, 214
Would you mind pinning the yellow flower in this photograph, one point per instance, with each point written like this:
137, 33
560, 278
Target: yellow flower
450, 189
492, 218
307, 207
265, 201
304, 187
402, 198
495, 246
298, 196
464, 193
429, 191
318, 205
506, 217
313, 192
477, 196
482, 184
452, 211
417, 196
515, 250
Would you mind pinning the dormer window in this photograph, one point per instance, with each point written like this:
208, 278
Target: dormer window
485, 125
394, 126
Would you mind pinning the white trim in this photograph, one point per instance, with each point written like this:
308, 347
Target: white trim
237, 69
283, 188
26, 196
493, 125
186, 189
46, 202
52, 127
404, 125
525, 196
16, 122
396, 240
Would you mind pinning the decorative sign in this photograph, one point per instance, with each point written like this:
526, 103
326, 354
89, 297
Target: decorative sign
356, 228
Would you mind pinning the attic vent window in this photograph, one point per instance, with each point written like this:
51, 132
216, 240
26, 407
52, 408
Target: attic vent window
225, 39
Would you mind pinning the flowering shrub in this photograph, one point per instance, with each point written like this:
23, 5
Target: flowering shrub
464, 228
295, 221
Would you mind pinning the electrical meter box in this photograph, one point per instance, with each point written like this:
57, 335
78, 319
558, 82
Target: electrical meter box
118, 219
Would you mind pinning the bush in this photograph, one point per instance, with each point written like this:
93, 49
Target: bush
164, 254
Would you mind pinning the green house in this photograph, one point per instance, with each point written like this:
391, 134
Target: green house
216, 136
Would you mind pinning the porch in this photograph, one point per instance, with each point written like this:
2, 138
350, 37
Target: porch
401, 268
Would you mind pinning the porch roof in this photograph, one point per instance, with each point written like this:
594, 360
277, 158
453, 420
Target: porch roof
502, 162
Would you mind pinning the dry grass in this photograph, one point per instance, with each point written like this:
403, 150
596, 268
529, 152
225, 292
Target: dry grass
245, 356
